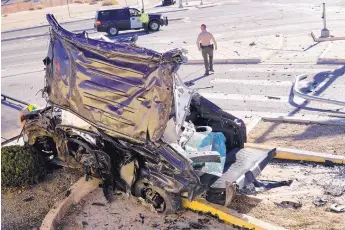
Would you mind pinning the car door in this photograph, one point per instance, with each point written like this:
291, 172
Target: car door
135, 19
122, 19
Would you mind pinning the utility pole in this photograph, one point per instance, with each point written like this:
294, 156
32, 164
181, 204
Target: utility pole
324, 31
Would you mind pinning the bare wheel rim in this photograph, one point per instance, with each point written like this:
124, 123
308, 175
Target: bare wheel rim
113, 31
154, 26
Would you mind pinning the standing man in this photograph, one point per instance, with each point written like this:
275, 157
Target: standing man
204, 44
144, 19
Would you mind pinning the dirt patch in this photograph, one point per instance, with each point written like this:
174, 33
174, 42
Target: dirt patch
310, 183
311, 137
25, 208
126, 212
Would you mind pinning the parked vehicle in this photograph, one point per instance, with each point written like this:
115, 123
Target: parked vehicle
121, 113
168, 2
115, 20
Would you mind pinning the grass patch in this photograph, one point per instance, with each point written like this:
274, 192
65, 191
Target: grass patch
40, 7
109, 2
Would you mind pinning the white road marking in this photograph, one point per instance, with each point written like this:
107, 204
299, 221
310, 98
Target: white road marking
242, 97
280, 70
22, 65
26, 54
252, 82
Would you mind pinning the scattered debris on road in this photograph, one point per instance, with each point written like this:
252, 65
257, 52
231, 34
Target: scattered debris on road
319, 202
289, 204
337, 208
98, 204
252, 44
30, 198
274, 98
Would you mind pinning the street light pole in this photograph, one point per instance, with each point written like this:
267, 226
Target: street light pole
324, 31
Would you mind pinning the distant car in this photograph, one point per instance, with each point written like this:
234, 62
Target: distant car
115, 20
168, 2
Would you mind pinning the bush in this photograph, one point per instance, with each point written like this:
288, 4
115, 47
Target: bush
39, 7
109, 2
78, 1
21, 166
32, 8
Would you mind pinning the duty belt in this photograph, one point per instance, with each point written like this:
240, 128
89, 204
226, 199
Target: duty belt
206, 46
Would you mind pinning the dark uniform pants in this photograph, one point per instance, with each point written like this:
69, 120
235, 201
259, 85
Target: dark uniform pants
207, 52
146, 27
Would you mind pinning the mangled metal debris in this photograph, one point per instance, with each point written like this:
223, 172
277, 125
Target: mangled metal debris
337, 208
121, 113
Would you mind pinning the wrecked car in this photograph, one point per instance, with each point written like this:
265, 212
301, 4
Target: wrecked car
121, 113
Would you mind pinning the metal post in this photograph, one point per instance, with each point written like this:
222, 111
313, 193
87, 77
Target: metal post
181, 6
69, 13
201, 3
187, 2
298, 93
324, 31
142, 2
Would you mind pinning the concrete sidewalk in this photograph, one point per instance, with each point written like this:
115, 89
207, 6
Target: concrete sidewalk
73, 12
77, 12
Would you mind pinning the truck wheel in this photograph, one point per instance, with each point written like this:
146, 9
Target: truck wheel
113, 31
154, 26
161, 200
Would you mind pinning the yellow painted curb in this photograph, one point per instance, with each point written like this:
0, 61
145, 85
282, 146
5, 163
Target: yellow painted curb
229, 217
79, 190
299, 155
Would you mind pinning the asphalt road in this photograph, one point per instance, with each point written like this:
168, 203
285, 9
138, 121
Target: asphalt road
261, 88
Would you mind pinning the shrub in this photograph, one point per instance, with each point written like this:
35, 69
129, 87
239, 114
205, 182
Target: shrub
40, 7
21, 166
109, 2
5, 15
78, 1
32, 8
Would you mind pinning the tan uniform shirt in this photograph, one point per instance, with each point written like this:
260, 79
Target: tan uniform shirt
205, 38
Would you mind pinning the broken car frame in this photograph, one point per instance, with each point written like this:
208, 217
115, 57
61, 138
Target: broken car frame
120, 113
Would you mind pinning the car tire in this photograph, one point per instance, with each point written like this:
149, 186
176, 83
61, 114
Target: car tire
154, 26
172, 201
112, 31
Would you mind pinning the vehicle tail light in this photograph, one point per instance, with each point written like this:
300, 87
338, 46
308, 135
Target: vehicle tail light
98, 23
